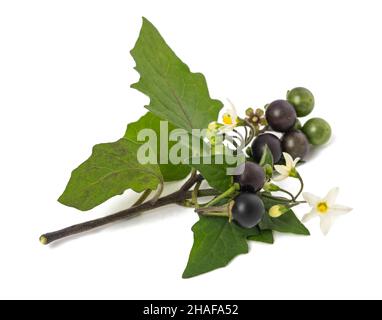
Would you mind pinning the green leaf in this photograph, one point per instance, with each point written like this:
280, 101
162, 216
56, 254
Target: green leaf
288, 222
215, 174
216, 243
175, 93
267, 157
170, 172
111, 169
265, 236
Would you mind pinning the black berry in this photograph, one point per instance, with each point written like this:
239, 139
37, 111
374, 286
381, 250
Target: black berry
295, 143
248, 210
281, 115
250, 176
270, 140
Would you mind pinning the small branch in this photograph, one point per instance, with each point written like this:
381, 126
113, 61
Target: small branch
92, 224
195, 194
301, 186
282, 200
288, 193
252, 131
175, 197
194, 178
230, 191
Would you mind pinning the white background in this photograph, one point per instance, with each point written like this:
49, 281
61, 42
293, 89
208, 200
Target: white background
65, 71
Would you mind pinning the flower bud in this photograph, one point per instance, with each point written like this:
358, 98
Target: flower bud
249, 112
268, 170
259, 112
277, 210
270, 187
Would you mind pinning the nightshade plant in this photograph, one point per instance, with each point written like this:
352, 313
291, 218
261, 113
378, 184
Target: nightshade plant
244, 202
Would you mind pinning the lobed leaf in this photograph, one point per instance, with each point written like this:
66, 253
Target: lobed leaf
109, 171
170, 172
216, 242
176, 94
265, 236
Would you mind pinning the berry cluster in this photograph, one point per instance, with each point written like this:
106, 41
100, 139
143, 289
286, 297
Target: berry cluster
281, 117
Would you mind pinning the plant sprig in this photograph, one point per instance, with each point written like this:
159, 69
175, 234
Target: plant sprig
244, 205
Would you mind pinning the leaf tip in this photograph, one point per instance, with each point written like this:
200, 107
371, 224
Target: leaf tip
145, 20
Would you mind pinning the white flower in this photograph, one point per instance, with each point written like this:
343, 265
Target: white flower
325, 208
230, 118
289, 170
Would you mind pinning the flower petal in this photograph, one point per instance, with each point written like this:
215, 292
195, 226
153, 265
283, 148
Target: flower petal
309, 216
331, 197
288, 160
310, 198
338, 209
226, 128
295, 161
232, 109
282, 169
279, 177
325, 224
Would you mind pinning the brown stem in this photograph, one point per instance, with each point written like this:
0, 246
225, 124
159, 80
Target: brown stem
175, 197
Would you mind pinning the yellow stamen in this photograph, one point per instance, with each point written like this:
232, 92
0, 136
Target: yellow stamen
322, 207
227, 119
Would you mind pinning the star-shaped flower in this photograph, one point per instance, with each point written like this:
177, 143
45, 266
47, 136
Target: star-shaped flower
325, 208
289, 170
230, 118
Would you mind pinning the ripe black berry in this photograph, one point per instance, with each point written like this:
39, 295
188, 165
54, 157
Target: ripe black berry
250, 176
270, 140
281, 115
248, 210
295, 143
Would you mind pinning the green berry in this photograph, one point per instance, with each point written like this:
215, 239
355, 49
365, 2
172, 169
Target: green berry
317, 131
302, 100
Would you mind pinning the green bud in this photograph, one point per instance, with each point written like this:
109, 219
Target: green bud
263, 122
249, 112
270, 187
268, 170
212, 140
259, 112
